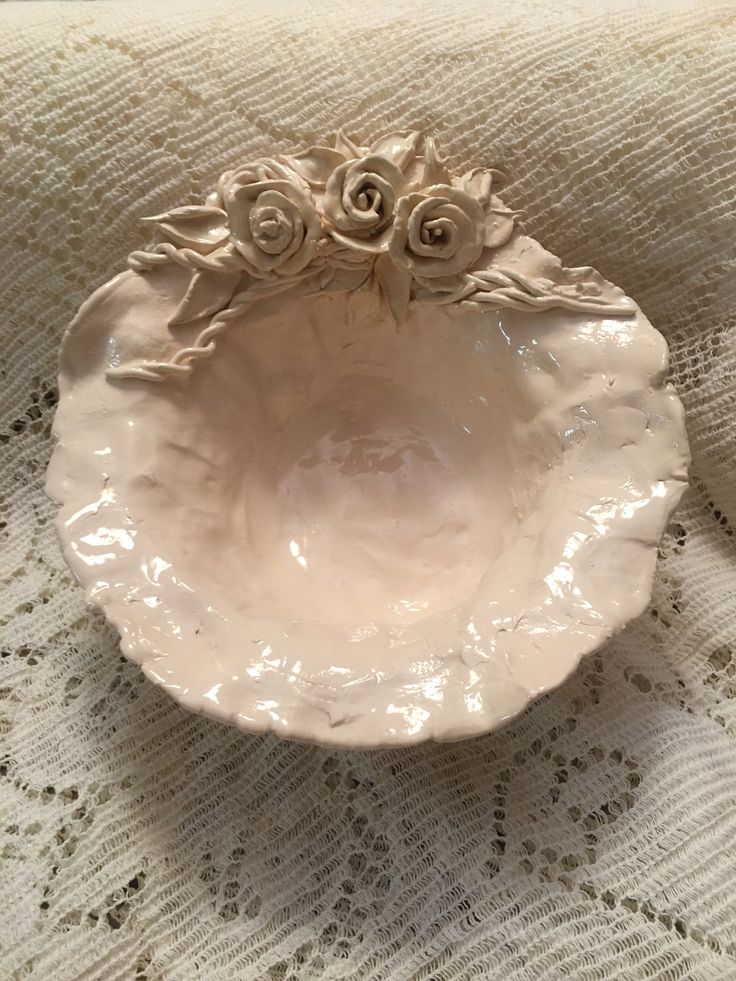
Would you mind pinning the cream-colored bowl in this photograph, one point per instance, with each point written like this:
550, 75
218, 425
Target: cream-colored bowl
350, 513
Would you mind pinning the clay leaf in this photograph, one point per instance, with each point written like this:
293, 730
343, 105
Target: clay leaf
209, 291
316, 164
435, 170
399, 148
348, 280
395, 285
345, 146
477, 183
198, 227
499, 224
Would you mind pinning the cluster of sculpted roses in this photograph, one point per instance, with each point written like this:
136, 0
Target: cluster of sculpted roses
334, 218
277, 217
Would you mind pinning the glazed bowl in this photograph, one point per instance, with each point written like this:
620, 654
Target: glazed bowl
369, 500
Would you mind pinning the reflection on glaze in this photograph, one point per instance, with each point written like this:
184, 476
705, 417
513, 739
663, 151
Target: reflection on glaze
360, 535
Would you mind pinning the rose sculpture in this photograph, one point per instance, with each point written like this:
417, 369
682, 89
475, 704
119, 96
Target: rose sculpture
274, 226
389, 216
360, 200
437, 233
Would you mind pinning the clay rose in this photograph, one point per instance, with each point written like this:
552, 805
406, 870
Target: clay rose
359, 201
273, 223
437, 232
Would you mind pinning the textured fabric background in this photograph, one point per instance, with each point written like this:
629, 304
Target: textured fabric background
593, 838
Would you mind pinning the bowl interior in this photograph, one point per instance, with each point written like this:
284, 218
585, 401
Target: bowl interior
359, 534
326, 468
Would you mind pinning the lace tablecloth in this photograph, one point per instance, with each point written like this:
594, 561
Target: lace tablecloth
594, 837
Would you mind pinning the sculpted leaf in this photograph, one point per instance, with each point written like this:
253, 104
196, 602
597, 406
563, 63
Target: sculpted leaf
199, 227
399, 148
395, 285
345, 146
316, 164
209, 291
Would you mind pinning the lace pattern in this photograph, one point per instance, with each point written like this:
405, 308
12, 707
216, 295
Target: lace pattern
591, 839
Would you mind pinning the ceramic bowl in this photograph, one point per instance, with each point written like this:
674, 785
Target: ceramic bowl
349, 457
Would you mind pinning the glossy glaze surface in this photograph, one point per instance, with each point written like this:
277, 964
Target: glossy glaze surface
363, 534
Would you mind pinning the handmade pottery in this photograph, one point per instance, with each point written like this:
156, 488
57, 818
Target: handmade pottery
349, 457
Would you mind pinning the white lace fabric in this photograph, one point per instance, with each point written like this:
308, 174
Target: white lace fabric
594, 837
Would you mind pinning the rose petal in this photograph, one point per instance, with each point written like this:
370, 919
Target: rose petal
302, 257
277, 201
442, 235
380, 207
333, 204
271, 229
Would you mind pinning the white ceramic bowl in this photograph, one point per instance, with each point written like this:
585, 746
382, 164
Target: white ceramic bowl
354, 494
